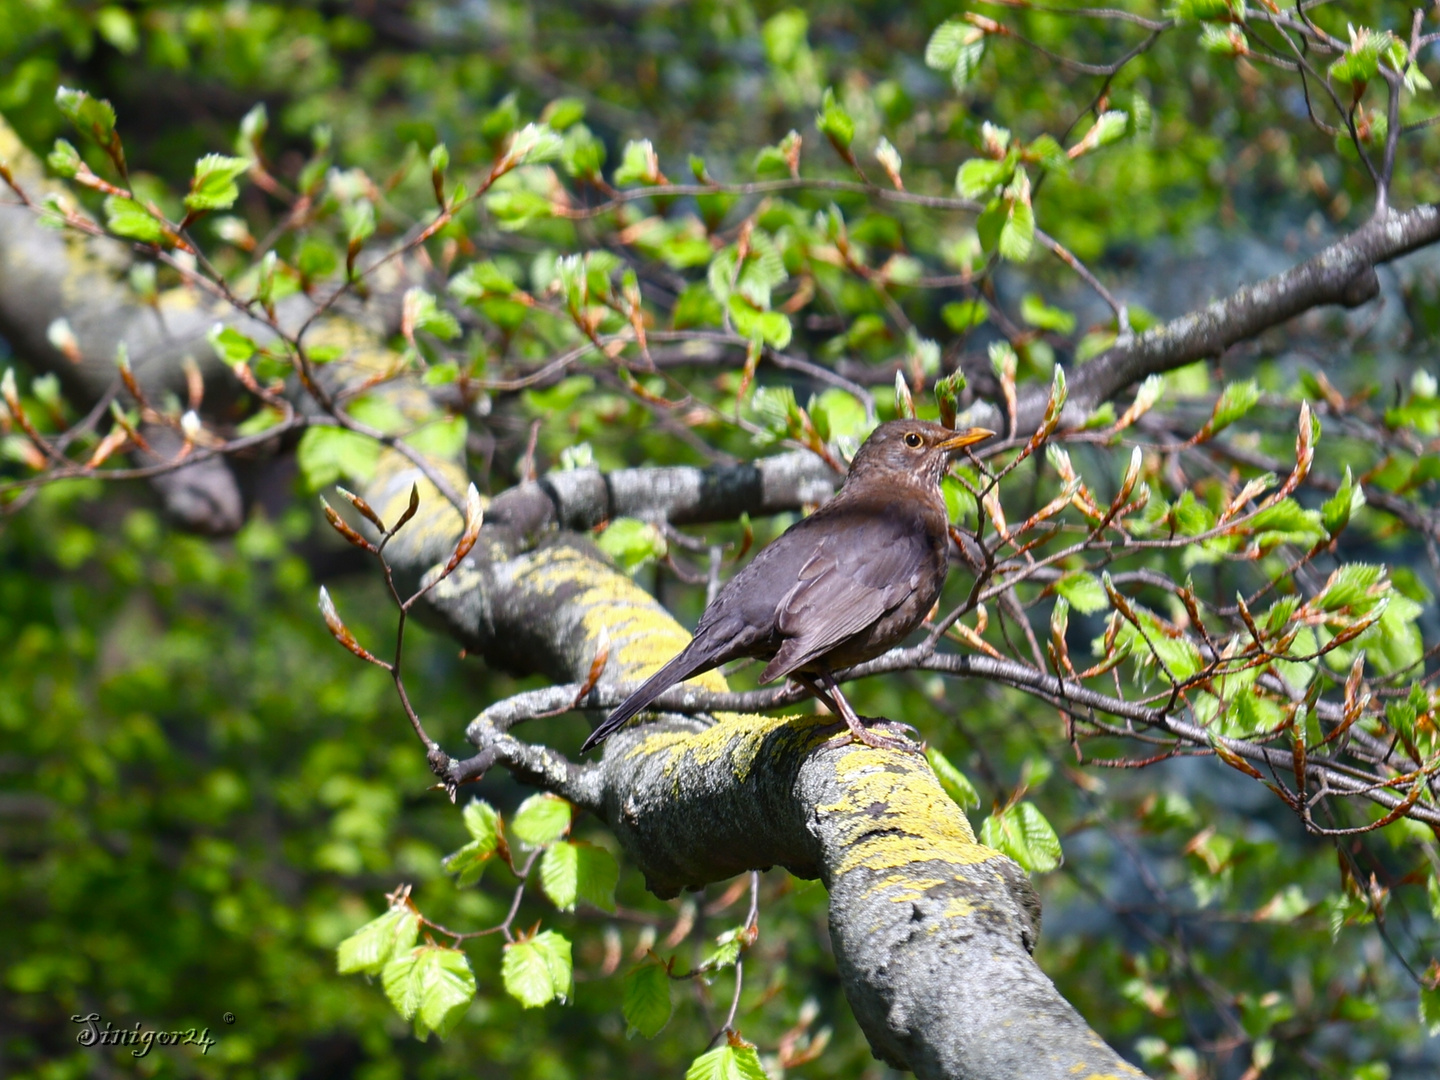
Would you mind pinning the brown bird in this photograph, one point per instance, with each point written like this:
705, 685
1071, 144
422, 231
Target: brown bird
836, 588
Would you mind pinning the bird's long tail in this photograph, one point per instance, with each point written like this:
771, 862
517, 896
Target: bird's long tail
685, 665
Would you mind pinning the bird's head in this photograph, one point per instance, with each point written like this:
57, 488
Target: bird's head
916, 449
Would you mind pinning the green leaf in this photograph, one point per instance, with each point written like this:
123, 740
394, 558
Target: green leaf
64, 160
837, 415
697, 306
638, 164
1286, 522
447, 986
1250, 712
904, 401
1191, 517
537, 971
980, 176
962, 315
728, 1062
1048, 154
316, 258
574, 870
502, 119
359, 218
526, 975
483, 824
380, 412
776, 409
467, 863
1037, 313
680, 244
726, 952
632, 543
1399, 58
1022, 832
328, 454
947, 396
1361, 61
956, 784
117, 26
370, 948
563, 113
263, 420
1177, 656
1222, 41
533, 144
431, 985
1109, 127
581, 154
1093, 344
1356, 586
1017, 235
834, 122
1084, 592
481, 279
1200, 10
779, 161
230, 345
1336, 511
771, 327
1237, 399
762, 270
513, 210
253, 126
784, 37
541, 819
902, 270
425, 313
126, 217
93, 117
956, 47
444, 438
1394, 642
1430, 1009
1278, 617
646, 1003
213, 185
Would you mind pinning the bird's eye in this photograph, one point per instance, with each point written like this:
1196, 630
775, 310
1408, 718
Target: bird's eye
913, 440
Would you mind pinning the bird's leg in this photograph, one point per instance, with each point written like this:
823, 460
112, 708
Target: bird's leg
821, 695
858, 730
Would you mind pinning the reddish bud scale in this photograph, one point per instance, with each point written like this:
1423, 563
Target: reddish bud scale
343, 528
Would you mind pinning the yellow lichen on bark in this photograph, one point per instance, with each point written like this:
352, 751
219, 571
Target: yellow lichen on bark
16, 155
899, 816
436, 519
741, 736
641, 633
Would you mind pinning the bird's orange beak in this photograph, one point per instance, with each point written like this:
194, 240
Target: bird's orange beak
968, 437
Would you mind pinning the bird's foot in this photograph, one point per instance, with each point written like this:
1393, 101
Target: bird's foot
862, 732
909, 730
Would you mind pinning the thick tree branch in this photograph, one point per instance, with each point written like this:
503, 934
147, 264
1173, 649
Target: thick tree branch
47, 276
1344, 273
583, 498
932, 931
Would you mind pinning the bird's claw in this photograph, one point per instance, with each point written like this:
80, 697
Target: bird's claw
863, 733
894, 725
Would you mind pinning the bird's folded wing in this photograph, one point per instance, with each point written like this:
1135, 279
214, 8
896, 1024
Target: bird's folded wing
853, 579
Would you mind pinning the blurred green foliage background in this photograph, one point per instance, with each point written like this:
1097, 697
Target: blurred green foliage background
200, 796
